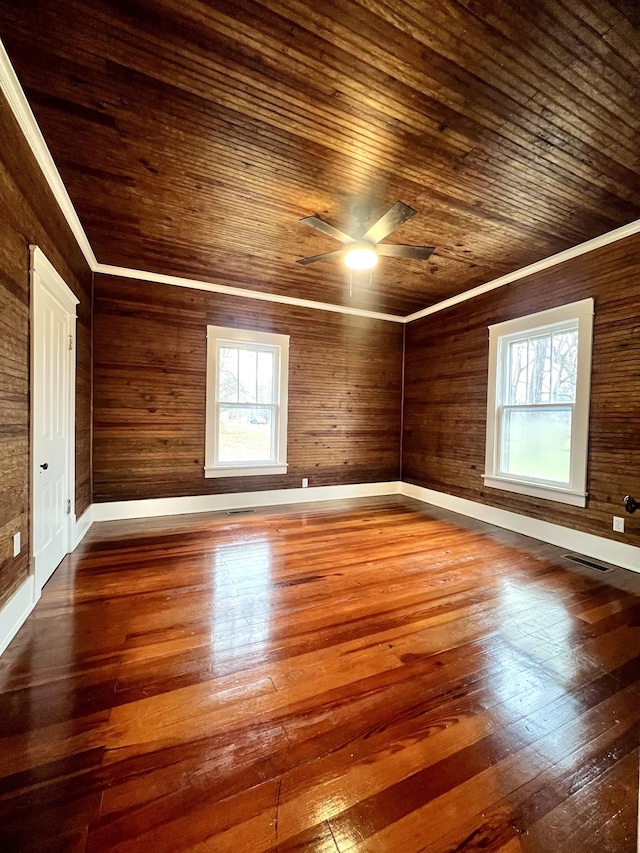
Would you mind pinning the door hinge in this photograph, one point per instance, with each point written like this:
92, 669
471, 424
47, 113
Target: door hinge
68, 507
70, 342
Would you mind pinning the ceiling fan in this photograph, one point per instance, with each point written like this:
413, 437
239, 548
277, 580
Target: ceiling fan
361, 251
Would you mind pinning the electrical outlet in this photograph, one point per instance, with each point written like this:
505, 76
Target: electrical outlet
305, 482
16, 544
618, 524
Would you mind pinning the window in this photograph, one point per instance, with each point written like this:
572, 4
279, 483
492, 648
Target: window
538, 404
247, 382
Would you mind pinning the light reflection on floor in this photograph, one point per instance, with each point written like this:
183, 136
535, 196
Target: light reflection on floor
247, 567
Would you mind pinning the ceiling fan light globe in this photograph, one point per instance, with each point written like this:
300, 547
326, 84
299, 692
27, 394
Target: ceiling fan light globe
361, 258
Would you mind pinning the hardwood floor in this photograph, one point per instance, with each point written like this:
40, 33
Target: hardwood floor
361, 676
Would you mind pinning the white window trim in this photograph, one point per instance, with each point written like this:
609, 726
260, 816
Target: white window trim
575, 493
215, 334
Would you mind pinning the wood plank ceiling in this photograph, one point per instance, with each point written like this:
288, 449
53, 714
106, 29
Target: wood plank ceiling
193, 136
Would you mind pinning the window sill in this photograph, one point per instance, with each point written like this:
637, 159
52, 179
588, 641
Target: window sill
535, 490
245, 470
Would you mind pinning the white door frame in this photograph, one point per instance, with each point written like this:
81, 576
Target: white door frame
44, 276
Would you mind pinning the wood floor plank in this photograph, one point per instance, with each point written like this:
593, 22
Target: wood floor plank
573, 824
366, 676
396, 817
490, 808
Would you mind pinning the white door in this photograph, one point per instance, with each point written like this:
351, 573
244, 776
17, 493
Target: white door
53, 427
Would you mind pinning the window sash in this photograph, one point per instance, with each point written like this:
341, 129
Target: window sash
505, 343
257, 348
504, 369
273, 405
501, 432
273, 444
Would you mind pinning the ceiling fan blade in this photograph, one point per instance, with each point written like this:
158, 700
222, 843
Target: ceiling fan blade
325, 257
321, 225
418, 253
389, 221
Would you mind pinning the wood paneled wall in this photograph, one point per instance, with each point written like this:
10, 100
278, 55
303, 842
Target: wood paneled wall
446, 389
29, 214
149, 391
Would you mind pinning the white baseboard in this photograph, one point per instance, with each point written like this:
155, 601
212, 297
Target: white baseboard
20, 605
14, 613
152, 507
16, 610
607, 550
81, 527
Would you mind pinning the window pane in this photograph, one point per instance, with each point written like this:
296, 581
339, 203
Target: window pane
228, 375
246, 434
539, 387
265, 376
247, 374
542, 369
565, 366
518, 362
537, 444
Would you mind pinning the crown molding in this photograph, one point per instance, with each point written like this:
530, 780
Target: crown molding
212, 287
14, 93
12, 90
538, 266
546, 263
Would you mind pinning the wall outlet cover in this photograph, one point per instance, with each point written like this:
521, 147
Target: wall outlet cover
305, 482
16, 544
618, 524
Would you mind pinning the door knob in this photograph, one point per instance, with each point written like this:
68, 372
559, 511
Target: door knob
44, 466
